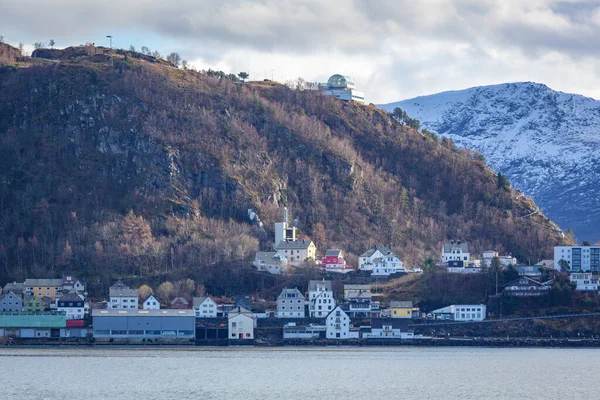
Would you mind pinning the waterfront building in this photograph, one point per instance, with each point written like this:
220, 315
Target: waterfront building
388, 328
204, 307
241, 324
32, 325
33, 304
290, 304
144, 324
338, 324
312, 331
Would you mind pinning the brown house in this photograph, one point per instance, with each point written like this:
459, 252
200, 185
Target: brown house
179, 303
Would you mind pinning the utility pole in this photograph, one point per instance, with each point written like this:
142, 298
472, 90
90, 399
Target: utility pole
112, 60
272, 74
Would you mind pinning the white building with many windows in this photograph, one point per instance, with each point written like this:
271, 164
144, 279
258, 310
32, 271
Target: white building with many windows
462, 312
71, 304
204, 307
380, 261
456, 251
578, 258
584, 281
241, 324
338, 324
122, 297
290, 304
321, 300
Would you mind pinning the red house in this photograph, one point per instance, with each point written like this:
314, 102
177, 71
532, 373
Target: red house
333, 259
179, 303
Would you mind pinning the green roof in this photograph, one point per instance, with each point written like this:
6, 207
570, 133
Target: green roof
33, 320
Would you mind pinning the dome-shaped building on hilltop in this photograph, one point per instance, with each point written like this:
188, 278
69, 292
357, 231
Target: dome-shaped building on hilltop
342, 87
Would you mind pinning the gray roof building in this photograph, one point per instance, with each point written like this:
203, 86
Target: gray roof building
401, 304
458, 245
293, 244
395, 323
43, 282
122, 291
333, 253
15, 287
382, 249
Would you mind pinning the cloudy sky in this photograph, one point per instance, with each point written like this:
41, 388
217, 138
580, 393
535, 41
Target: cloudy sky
395, 49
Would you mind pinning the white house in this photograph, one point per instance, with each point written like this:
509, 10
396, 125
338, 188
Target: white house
241, 324
122, 297
456, 251
73, 284
389, 328
270, 261
505, 261
151, 303
71, 304
380, 261
585, 281
462, 312
338, 324
205, 307
290, 304
297, 252
321, 300
578, 258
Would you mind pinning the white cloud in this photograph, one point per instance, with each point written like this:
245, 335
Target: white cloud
394, 48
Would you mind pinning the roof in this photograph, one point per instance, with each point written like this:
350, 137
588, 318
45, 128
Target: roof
284, 291
142, 313
16, 296
70, 279
239, 311
386, 251
293, 244
43, 282
357, 287
312, 285
530, 282
243, 301
13, 287
333, 253
33, 320
396, 323
184, 301
122, 291
265, 255
458, 245
70, 297
401, 304
335, 309
150, 296
359, 294
196, 301
546, 263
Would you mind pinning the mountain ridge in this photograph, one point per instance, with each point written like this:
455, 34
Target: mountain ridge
111, 165
530, 133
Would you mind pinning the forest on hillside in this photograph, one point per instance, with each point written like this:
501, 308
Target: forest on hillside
124, 167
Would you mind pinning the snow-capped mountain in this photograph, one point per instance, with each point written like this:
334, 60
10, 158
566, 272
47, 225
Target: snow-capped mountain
546, 142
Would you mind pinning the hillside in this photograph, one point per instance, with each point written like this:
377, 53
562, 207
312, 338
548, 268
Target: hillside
139, 168
546, 142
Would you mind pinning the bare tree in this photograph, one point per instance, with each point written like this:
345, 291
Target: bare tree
174, 59
39, 45
21, 47
1, 39
132, 48
145, 50
52, 43
184, 64
156, 54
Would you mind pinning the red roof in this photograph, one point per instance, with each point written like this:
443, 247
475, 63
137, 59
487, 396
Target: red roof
75, 322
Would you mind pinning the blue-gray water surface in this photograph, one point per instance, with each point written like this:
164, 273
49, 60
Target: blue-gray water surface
297, 373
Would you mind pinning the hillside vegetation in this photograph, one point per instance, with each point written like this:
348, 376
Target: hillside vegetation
125, 166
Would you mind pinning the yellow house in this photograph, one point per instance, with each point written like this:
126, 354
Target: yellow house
43, 287
403, 309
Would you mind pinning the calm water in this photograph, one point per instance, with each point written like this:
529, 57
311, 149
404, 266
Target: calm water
299, 373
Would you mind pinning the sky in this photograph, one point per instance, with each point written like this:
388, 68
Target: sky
394, 49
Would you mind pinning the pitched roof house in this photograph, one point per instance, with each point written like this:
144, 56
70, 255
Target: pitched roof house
179, 303
204, 307
290, 304
151, 303
11, 302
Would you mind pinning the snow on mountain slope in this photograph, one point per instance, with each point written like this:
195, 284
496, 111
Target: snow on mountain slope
546, 142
